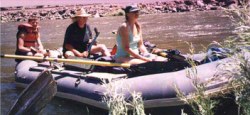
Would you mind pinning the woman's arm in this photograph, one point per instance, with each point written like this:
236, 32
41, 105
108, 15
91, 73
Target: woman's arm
141, 46
123, 31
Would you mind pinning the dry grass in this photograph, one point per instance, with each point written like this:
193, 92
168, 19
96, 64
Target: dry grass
237, 70
200, 103
116, 101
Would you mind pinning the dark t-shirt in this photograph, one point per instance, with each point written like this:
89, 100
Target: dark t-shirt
77, 37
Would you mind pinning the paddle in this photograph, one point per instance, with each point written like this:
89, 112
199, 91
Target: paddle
94, 40
99, 63
35, 96
144, 68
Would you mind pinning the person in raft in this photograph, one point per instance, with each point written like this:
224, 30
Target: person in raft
78, 36
129, 41
28, 39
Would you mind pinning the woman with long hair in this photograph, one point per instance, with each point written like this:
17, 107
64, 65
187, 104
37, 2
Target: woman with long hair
129, 41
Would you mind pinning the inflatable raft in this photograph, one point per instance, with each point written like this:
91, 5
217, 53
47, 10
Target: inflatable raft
157, 89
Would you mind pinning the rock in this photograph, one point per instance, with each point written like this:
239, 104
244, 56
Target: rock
100, 10
232, 6
181, 8
43, 13
208, 1
189, 2
4, 9
200, 3
97, 15
158, 7
229, 2
61, 12
40, 6
178, 1
213, 8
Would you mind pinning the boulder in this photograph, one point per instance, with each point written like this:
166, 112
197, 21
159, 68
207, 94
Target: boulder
189, 2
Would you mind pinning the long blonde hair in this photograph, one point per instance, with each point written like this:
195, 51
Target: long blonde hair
138, 26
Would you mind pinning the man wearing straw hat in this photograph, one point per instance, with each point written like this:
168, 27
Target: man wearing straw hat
77, 38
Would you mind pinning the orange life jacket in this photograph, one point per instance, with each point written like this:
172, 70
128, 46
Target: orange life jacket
30, 39
113, 51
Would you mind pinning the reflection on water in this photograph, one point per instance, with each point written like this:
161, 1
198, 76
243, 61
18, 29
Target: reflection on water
165, 30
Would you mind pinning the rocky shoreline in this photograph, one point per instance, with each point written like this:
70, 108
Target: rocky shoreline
13, 14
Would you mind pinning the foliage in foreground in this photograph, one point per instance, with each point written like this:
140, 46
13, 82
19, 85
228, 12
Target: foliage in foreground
239, 67
200, 103
237, 70
116, 101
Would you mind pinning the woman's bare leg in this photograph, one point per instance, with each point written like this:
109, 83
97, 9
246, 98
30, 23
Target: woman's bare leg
100, 48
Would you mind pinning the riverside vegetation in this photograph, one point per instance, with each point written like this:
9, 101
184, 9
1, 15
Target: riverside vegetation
116, 102
237, 71
241, 64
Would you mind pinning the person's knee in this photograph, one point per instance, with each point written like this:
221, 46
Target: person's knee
102, 46
29, 54
39, 55
68, 54
43, 51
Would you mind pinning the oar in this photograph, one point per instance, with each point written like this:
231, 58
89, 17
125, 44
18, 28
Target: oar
99, 63
35, 96
94, 40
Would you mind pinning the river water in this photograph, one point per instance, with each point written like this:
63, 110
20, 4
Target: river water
165, 30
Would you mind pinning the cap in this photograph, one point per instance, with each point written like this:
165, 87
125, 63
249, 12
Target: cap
131, 8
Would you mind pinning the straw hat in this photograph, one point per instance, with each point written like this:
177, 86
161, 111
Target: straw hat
81, 13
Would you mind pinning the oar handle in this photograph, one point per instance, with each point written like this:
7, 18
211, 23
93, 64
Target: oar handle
90, 62
2, 55
94, 40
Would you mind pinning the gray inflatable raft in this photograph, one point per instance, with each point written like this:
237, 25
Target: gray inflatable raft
157, 89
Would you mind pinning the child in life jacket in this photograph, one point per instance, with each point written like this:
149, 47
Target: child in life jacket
28, 41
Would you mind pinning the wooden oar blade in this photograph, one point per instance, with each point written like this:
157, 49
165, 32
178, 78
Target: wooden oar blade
35, 96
